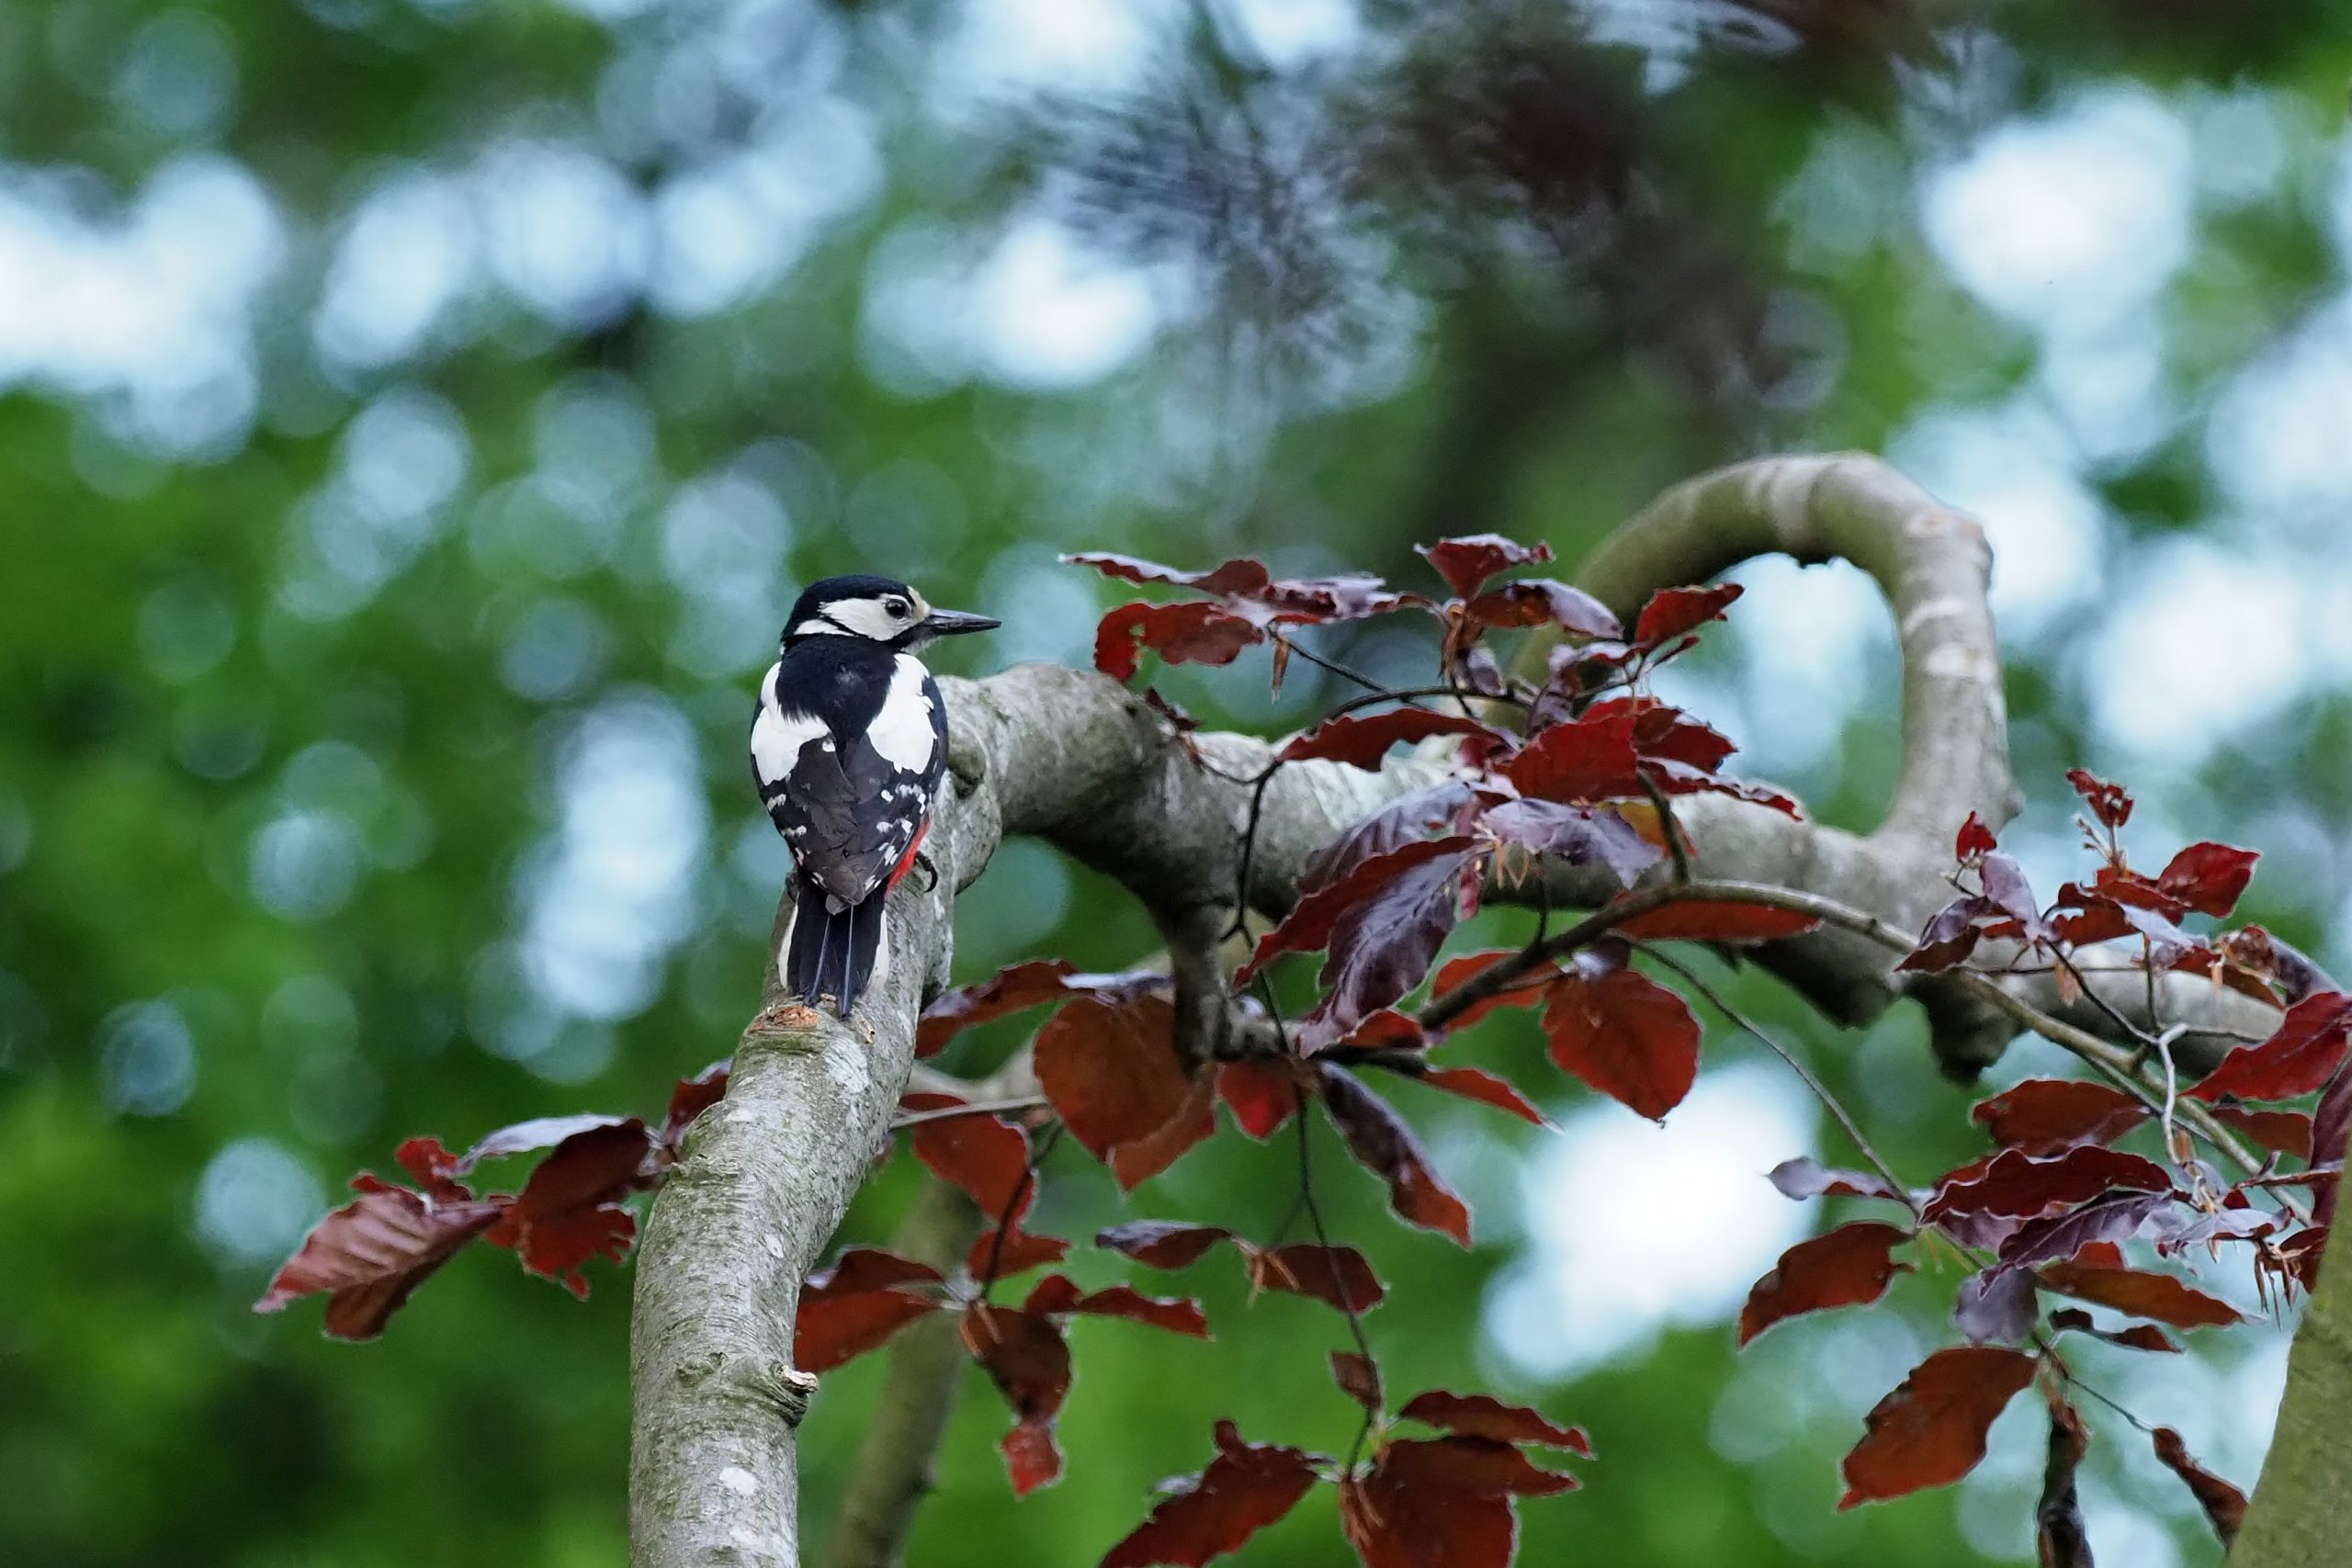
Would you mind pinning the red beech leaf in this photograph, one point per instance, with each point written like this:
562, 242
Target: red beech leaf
522, 1137
688, 1100
1975, 840
1450, 806
1806, 1177
2115, 1217
1019, 988
2138, 1337
1242, 575
853, 1305
1586, 759
1471, 1083
2299, 1057
986, 1156
1337, 1276
2108, 803
1162, 1244
1362, 740
371, 1253
1262, 1092
1663, 732
2332, 1119
569, 1211
1032, 1458
1192, 631
1056, 1294
1951, 935
1029, 1362
1700, 921
1677, 612
1483, 1416
2287, 1132
1930, 1430
1466, 562
1139, 1159
1383, 944
2157, 1296
862, 1269
2209, 878
1358, 1378
1440, 1503
1679, 778
1017, 1253
1542, 601
2006, 887
1847, 1267
2025, 1185
828, 1333
1996, 1303
1625, 1034
1251, 591
430, 1166
1008, 990
2059, 1531
1580, 835
1386, 1030
1309, 926
1246, 1487
1455, 973
1113, 1073
2042, 1116
2223, 1503
1384, 1145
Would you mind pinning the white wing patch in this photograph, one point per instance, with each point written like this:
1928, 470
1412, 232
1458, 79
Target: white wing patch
902, 732
777, 735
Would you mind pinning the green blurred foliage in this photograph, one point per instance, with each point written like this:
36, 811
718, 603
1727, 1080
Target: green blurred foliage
452, 446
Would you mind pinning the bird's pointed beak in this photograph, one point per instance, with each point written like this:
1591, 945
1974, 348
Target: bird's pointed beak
949, 623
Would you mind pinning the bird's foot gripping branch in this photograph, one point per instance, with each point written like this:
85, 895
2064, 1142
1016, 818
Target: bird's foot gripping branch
1558, 784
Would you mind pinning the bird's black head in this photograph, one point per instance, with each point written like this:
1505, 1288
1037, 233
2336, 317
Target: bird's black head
879, 609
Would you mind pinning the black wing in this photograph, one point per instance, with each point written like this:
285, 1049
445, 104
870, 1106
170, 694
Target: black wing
849, 815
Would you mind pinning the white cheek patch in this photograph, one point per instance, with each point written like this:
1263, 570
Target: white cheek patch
902, 732
816, 626
865, 618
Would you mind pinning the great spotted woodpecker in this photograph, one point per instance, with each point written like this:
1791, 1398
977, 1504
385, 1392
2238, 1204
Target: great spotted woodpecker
849, 742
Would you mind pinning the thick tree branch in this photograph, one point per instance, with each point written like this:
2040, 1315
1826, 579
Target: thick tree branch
2301, 1512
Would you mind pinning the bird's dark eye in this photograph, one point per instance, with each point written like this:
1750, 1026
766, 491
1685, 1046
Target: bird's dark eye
899, 608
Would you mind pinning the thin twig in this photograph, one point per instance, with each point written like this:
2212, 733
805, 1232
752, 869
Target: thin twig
1021, 1190
906, 1119
1333, 665
1674, 845
1249, 852
1820, 1090
1322, 1235
1404, 693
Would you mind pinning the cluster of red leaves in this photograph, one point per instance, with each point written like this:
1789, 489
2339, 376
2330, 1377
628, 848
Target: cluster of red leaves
371, 1255
1417, 1502
2054, 1203
2119, 902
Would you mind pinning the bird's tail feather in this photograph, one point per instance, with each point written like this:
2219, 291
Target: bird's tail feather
829, 953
